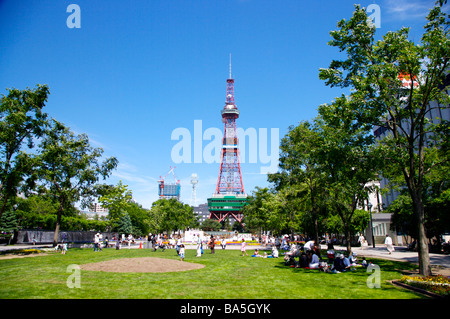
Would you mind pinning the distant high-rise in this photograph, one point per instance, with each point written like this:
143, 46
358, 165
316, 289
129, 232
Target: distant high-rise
169, 190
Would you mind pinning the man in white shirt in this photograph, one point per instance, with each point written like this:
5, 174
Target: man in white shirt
308, 246
388, 244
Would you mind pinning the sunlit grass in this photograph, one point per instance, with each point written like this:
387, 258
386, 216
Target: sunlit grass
226, 275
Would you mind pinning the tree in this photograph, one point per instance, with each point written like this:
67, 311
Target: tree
348, 158
69, 169
8, 224
117, 199
124, 225
393, 81
259, 208
21, 121
299, 165
140, 219
170, 215
210, 225
274, 210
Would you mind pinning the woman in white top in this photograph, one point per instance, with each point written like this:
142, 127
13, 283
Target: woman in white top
314, 261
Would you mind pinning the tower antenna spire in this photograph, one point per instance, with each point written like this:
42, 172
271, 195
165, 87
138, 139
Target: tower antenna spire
230, 66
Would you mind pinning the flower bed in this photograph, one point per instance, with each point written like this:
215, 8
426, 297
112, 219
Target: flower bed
439, 285
248, 242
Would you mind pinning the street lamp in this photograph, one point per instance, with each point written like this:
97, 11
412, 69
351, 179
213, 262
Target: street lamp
369, 206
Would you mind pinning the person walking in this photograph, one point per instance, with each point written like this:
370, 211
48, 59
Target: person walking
199, 246
182, 252
179, 243
243, 244
388, 244
212, 244
96, 241
223, 242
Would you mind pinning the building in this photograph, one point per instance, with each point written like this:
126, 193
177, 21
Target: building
169, 190
97, 208
436, 114
202, 212
382, 227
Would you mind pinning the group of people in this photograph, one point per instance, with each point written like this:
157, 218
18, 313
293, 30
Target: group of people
341, 263
99, 243
309, 257
265, 255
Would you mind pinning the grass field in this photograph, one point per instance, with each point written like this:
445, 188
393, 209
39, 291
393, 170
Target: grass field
226, 275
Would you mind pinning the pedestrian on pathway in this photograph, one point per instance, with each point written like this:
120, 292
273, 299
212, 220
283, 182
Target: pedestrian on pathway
224, 242
388, 244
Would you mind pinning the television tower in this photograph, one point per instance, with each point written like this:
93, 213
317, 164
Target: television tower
229, 196
194, 182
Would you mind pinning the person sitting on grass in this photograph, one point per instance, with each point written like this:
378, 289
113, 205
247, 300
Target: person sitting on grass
256, 254
353, 260
364, 262
303, 261
338, 264
274, 252
346, 261
330, 254
314, 260
294, 252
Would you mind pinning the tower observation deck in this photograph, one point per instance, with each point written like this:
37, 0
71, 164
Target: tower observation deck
229, 196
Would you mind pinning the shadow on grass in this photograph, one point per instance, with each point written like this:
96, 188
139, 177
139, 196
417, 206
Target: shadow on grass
390, 266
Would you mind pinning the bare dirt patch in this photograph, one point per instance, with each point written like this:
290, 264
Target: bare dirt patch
144, 264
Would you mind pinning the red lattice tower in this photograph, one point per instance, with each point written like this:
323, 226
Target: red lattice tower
230, 177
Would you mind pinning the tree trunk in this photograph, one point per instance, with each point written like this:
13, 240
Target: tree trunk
422, 249
58, 225
349, 240
316, 229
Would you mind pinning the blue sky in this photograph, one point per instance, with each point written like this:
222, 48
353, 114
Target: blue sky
136, 71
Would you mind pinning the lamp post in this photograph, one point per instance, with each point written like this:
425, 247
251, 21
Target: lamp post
369, 206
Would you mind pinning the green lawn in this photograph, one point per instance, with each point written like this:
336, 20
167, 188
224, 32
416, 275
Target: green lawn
226, 275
